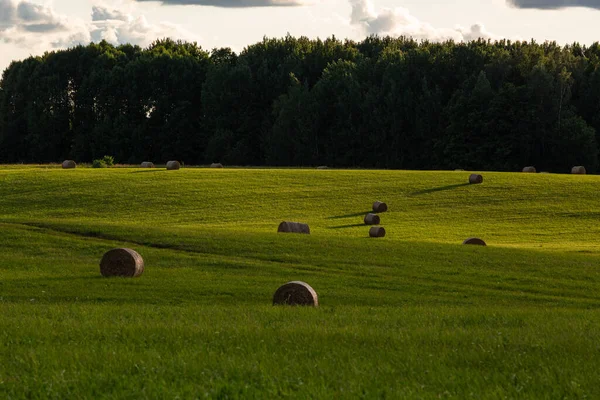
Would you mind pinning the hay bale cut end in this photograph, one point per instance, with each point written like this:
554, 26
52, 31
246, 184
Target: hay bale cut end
173, 165
372, 219
475, 241
296, 293
579, 170
147, 164
379, 207
69, 164
531, 170
216, 165
475, 179
377, 232
122, 262
293, 227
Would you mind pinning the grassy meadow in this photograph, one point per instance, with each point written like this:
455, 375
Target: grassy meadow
413, 315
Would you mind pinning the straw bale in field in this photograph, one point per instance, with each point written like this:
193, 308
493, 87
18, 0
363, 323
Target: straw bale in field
122, 262
147, 164
380, 207
296, 293
173, 165
377, 232
579, 170
69, 164
322, 167
475, 179
372, 219
475, 241
216, 165
293, 227
530, 169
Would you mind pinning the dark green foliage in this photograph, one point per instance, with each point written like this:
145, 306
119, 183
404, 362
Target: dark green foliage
383, 102
104, 162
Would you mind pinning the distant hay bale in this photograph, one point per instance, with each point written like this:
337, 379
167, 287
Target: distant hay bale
147, 164
530, 169
372, 219
379, 207
296, 293
216, 165
475, 241
121, 262
69, 164
293, 227
377, 232
173, 165
579, 170
322, 167
475, 179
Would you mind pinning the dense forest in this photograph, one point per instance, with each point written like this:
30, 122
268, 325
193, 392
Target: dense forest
383, 102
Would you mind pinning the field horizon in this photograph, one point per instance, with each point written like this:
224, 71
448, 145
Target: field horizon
413, 315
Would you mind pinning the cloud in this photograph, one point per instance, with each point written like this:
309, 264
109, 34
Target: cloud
554, 4
400, 22
238, 3
39, 28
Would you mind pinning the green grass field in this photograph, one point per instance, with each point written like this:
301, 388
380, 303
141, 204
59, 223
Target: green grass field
413, 315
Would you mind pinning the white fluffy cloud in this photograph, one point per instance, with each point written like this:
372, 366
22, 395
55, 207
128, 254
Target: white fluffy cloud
238, 3
39, 28
400, 22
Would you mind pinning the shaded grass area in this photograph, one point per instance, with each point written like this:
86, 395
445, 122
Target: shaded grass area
415, 315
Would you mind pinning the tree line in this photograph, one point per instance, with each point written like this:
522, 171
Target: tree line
382, 102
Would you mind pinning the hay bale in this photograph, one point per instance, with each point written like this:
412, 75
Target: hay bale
475, 241
296, 293
531, 170
475, 179
216, 165
322, 167
372, 219
147, 164
69, 164
377, 232
579, 170
379, 207
173, 165
122, 262
293, 227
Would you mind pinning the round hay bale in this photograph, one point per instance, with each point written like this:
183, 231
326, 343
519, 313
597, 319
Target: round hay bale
372, 219
377, 232
379, 207
173, 165
122, 262
579, 170
296, 293
216, 165
322, 167
293, 227
475, 241
475, 179
69, 164
531, 170
147, 164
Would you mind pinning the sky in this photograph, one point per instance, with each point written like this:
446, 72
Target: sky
31, 27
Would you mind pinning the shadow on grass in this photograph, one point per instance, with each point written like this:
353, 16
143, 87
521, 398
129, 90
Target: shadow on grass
440, 189
149, 170
359, 214
345, 226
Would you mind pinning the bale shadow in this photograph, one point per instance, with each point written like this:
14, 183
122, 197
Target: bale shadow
346, 226
439, 189
351, 215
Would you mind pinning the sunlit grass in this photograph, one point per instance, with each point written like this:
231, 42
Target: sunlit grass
414, 314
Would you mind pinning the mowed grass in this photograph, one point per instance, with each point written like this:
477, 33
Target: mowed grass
412, 315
